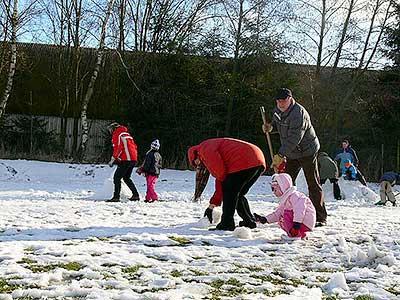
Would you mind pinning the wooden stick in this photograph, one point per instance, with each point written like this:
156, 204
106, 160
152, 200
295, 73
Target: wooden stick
271, 152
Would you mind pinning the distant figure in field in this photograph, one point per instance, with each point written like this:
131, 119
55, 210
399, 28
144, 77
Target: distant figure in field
388, 180
329, 170
350, 172
151, 169
125, 157
346, 152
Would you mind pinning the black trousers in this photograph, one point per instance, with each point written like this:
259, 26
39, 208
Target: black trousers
310, 168
234, 188
336, 188
124, 171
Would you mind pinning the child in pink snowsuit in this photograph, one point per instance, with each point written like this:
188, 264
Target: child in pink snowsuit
295, 213
151, 168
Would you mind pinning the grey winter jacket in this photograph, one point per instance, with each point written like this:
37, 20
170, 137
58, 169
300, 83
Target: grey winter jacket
327, 167
297, 135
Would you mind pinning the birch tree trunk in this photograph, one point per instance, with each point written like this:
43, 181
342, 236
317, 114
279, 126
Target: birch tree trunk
13, 60
89, 92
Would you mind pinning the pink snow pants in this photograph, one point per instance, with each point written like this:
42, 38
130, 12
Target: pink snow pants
151, 182
286, 223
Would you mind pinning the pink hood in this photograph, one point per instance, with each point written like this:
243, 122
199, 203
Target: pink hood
284, 181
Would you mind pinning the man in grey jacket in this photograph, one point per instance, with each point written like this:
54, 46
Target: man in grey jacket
299, 147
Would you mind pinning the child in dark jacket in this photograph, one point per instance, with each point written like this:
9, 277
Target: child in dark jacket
151, 168
388, 180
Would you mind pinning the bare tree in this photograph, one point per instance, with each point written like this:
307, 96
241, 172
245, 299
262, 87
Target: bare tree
13, 59
89, 92
247, 20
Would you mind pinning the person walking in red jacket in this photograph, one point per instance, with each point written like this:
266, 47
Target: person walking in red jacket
125, 157
236, 166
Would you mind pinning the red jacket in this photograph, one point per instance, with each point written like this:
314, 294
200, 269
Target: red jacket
223, 156
124, 145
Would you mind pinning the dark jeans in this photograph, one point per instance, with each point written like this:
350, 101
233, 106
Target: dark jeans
336, 188
310, 168
124, 171
234, 188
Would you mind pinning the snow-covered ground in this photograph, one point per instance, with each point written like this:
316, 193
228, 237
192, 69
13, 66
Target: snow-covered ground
58, 242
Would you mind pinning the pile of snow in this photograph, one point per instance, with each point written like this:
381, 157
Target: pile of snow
336, 284
243, 233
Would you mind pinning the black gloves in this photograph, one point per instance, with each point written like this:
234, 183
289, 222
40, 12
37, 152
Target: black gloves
260, 219
208, 214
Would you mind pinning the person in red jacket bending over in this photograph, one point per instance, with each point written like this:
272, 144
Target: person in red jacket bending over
125, 157
236, 166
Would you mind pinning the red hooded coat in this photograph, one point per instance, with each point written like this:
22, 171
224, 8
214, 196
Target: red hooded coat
124, 145
223, 156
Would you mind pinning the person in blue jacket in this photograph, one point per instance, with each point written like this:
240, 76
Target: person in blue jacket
347, 152
388, 180
350, 172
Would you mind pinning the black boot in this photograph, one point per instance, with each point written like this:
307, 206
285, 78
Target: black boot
113, 199
248, 224
228, 227
134, 198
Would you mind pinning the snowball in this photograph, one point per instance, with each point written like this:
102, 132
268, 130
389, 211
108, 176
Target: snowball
203, 223
337, 281
243, 233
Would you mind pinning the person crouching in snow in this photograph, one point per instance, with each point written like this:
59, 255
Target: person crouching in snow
236, 166
295, 213
388, 180
151, 168
350, 172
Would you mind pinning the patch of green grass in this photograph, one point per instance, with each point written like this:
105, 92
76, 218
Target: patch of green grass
329, 297
278, 281
26, 260
364, 297
176, 273
108, 287
274, 292
197, 257
198, 273
181, 240
131, 269
6, 288
71, 266
29, 250
325, 270
269, 278
109, 265
104, 239
95, 254
393, 291
92, 239
322, 279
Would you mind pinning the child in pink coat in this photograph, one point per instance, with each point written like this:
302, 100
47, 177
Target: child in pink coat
295, 213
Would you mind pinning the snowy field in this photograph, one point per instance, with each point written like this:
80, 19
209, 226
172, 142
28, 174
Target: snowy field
58, 240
